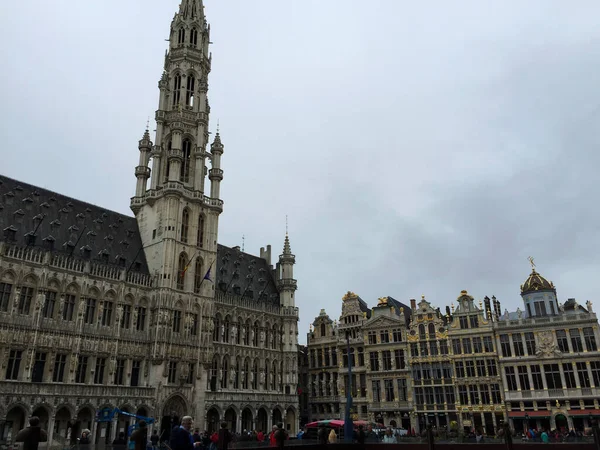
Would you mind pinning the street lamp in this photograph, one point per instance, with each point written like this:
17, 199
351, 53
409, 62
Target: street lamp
348, 427
526, 423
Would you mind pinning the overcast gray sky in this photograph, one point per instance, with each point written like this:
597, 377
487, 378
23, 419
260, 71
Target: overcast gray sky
417, 147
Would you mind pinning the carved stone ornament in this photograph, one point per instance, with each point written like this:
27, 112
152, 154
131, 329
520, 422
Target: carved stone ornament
546, 344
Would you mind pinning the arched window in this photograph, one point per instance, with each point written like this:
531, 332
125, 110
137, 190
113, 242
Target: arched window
214, 370
255, 330
194, 37
255, 375
198, 275
181, 269
227, 326
217, 327
422, 331
181, 36
323, 330
245, 374
274, 385
200, 230
236, 381
238, 337
274, 338
225, 374
247, 332
189, 91
185, 225
431, 331
184, 174
176, 89
167, 161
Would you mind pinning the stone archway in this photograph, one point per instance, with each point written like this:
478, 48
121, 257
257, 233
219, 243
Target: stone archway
262, 421
291, 420
561, 422
124, 421
247, 420
212, 420
175, 404
230, 419
62, 425
277, 417
15, 421
43, 414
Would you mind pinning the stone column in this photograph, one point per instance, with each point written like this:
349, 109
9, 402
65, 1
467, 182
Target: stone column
50, 430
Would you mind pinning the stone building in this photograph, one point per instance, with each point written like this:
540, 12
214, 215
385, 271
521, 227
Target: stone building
472, 366
147, 314
549, 359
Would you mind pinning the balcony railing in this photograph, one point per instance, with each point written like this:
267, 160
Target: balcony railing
70, 390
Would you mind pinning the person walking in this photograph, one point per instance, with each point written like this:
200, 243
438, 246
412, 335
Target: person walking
32, 435
224, 437
140, 436
181, 437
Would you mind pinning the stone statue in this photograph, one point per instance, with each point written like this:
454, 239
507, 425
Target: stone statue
222, 331
251, 377
211, 325
40, 300
262, 377
73, 362
519, 313
232, 376
82, 307
146, 368
272, 378
61, 305
588, 304
220, 374
340, 385
185, 371
119, 314
234, 333
262, 336
252, 336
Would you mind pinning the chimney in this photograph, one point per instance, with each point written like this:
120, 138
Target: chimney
488, 308
413, 304
448, 311
497, 310
266, 254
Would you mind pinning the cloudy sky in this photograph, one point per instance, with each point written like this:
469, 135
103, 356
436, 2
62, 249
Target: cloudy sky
417, 147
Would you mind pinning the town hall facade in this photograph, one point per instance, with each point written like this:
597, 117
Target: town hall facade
149, 314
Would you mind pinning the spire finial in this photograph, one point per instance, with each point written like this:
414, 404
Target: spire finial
243, 241
532, 262
148, 124
286, 225
218, 126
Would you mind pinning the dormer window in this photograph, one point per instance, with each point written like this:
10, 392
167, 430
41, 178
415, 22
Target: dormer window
49, 242
103, 256
86, 252
30, 238
10, 234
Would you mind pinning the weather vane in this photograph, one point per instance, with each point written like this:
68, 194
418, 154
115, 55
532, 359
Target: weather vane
531, 261
286, 224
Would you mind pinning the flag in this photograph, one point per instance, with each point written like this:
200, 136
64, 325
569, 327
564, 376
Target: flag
207, 276
187, 266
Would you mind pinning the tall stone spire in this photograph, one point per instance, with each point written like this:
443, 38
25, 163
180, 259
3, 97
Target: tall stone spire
191, 9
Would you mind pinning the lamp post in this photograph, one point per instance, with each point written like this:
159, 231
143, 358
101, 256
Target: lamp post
526, 423
348, 427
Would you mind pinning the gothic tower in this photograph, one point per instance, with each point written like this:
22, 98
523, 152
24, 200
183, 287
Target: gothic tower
177, 217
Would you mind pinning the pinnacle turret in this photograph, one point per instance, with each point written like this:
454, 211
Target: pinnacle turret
287, 249
191, 9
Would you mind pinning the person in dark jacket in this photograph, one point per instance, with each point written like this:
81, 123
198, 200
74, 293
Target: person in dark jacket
181, 436
281, 435
32, 435
140, 436
224, 437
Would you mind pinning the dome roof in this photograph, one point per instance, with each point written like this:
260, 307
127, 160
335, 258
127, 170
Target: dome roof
535, 282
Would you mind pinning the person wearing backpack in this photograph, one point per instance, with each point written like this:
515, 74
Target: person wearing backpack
280, 436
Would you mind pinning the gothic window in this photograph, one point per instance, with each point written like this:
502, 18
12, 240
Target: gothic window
141, 318
181, 36
274, 338
176, 89
217, 328
214, 370
247, 332
68, 307
225, 374
176, 325
126, 317
90, 310
200, 230
194, 37
169, 146
189, 91
255, 375
245, 374
49, 304
184, 174
14, 363
25, 300
256, 331
58, 375
107, 314
274, 385
185, 225
267, 365
198, 275
226, 327
181, 268
5, 291
323, 333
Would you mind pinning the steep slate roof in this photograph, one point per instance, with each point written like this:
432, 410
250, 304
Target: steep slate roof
242, 274
68, 226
